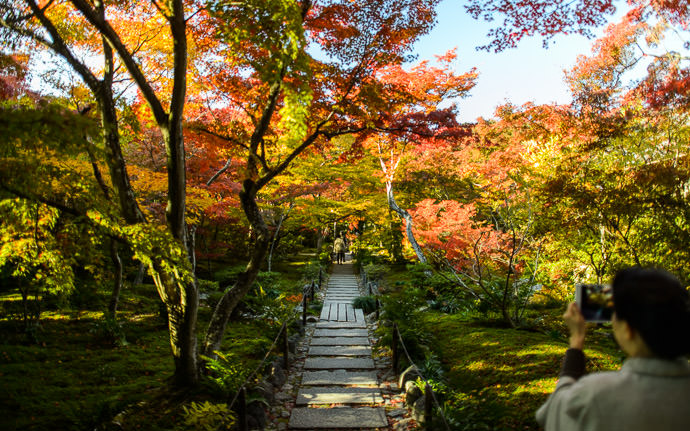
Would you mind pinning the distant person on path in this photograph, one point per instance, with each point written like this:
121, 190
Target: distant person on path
339, 249
652, 389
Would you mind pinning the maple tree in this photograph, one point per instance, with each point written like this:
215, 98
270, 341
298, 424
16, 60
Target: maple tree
266, 103
418, 120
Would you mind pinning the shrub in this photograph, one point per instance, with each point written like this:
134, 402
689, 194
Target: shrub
311, 270
366, 303
109, 330
226, 373
208, 285
376, 272
405, 309
446, 304
208, 417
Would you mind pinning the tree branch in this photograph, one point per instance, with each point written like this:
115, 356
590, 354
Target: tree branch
104, 27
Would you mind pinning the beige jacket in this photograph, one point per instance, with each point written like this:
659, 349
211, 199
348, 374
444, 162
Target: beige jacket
646, 394
338, 245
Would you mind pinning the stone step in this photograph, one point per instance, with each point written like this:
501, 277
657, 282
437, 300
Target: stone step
341, 312
322, 332
338, 418
337, 363
338, 395
339, 351
339, 378
341, 325
339, 341
338, 311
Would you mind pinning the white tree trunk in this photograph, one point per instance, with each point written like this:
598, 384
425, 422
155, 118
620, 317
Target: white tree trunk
282, 218
408, 222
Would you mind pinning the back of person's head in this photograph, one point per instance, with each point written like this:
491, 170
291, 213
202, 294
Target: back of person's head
656, 305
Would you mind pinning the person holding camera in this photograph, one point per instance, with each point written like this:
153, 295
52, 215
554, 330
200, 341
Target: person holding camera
651, 391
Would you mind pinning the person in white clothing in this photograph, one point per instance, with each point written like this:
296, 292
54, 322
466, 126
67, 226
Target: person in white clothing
651, 391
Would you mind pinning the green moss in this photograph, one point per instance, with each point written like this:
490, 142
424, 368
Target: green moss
499, 376
74, 378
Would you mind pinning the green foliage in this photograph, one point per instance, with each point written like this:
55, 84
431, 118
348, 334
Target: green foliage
110, 330
85, 297
432, 370
275, 29
290, 244
325, 259
208, 416
405, 308
366, 303
498, 377
58, 128
29, 248
228, 275
311, 271
362, 254
376, 272
226, 373
207, 285
446, 304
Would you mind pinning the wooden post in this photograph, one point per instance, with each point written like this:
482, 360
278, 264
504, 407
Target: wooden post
369, 285
378, 306
396, 359
428, 406
311, 291
304, 308
286, 348
320, 278
242, 410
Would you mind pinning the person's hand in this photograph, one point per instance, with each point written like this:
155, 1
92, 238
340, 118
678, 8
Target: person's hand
576, 325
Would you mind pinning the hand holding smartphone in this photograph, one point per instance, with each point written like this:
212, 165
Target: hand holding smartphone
595, 301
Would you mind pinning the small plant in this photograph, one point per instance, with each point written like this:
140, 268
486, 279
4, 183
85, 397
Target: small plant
226, 375
405, 309
208, 416
207, 285
376, 272
366, 303
110, 330
445, 304
311, 270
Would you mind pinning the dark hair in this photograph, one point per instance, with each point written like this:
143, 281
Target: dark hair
656, 305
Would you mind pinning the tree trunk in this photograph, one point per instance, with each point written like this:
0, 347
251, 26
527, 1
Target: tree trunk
408, 222
396, 239
275, 234
139, 278
117, 284
181, 301
323, 232
228, 302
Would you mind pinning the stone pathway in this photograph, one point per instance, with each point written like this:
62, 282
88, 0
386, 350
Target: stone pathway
339, 388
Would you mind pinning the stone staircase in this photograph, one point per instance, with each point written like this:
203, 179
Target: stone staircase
339, 388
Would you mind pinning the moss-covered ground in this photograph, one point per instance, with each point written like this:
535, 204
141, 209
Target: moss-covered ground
487, 375
498, 377
73, 375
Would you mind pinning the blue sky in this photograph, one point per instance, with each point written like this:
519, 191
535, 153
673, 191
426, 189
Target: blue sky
527, 73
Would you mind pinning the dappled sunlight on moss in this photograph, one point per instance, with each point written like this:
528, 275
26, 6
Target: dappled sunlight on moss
500, 376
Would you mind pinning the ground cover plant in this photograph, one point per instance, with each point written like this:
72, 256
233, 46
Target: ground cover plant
486, 375
81, 370
205, 143
497, 377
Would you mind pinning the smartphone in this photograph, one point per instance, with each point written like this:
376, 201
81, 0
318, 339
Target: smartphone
595, 301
